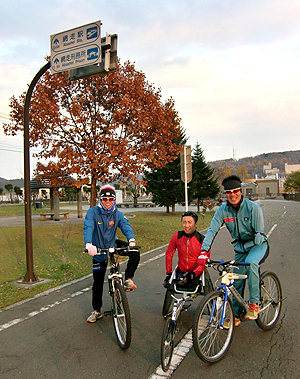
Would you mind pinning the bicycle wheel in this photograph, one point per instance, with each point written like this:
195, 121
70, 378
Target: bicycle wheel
211, 342
121, 316
270, 302
167, 344
167, 302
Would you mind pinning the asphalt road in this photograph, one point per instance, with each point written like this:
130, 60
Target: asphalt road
48, 336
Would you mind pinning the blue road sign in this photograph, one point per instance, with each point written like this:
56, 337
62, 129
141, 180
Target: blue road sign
77, 47
73, 58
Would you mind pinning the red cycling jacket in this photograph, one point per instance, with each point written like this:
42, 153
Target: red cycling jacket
189, 249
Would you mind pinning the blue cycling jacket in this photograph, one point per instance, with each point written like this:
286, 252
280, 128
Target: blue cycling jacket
246, 226
100, 228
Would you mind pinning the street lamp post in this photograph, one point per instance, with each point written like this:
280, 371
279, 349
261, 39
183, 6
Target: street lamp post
30, 276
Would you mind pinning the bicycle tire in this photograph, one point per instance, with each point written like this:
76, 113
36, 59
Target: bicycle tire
167, 302
210, 342
271, 300
167, 343
121, 316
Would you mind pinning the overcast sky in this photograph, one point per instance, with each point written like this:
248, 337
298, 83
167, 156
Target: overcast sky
232, 67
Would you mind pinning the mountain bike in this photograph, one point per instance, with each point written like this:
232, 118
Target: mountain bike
172, 307
119, 303
211, 339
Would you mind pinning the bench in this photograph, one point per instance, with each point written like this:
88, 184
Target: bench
43, 216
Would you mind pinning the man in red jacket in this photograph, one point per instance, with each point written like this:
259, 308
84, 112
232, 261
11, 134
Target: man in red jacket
188, 243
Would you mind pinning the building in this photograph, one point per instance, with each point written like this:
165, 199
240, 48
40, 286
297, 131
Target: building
289, 168
261, 188
271, 172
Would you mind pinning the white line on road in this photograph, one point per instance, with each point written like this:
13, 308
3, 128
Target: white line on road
41, 310
271, 230
179, 354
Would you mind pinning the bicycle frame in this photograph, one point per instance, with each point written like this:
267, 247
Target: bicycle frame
227, 283
178, 305
111, 280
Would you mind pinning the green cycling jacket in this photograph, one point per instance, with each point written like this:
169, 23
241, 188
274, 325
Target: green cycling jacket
245, 225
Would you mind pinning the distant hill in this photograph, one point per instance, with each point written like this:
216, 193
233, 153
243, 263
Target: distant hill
254, 165
14, 182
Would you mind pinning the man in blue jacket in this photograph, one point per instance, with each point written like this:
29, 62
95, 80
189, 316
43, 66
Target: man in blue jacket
99, 231
245, 223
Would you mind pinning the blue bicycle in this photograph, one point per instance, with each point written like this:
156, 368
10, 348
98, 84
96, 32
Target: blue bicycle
211, 339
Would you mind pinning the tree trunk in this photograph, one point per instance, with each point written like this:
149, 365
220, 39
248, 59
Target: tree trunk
93, 200
173, 208
56, 206
79, 203
51, 200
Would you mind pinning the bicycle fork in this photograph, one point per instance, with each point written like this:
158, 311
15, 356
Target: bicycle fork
112, 278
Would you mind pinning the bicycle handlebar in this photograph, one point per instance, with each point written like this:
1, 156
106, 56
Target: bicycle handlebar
224, 265
115, 250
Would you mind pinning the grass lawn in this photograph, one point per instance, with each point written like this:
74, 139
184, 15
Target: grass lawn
58, 249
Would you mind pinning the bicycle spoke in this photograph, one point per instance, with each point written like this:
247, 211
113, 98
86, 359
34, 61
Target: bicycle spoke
121, 317
167, 343
271, 300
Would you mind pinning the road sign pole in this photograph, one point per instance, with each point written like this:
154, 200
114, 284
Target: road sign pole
30, 276
186, 169
186, 180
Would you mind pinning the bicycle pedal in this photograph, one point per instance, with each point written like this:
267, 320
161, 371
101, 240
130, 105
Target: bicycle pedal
108, 313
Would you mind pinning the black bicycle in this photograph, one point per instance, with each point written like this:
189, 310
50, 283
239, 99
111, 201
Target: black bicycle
178, 297
119, 303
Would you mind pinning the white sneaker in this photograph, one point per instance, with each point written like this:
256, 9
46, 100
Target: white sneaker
129, 285
95, 315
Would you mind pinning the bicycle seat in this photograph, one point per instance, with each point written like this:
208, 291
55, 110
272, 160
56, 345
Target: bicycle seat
188, 287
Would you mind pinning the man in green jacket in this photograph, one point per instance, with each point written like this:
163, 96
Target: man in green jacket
245, 223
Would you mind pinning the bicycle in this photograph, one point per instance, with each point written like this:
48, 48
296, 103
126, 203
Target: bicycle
119, 302
211, 340
188, 292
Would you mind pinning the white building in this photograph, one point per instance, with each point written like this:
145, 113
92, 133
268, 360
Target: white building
289, 168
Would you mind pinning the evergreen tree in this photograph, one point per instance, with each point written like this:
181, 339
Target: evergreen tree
165, 183
292, 182
203, 183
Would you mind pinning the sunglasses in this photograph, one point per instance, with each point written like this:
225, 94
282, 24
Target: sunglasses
107, 199
233, 191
